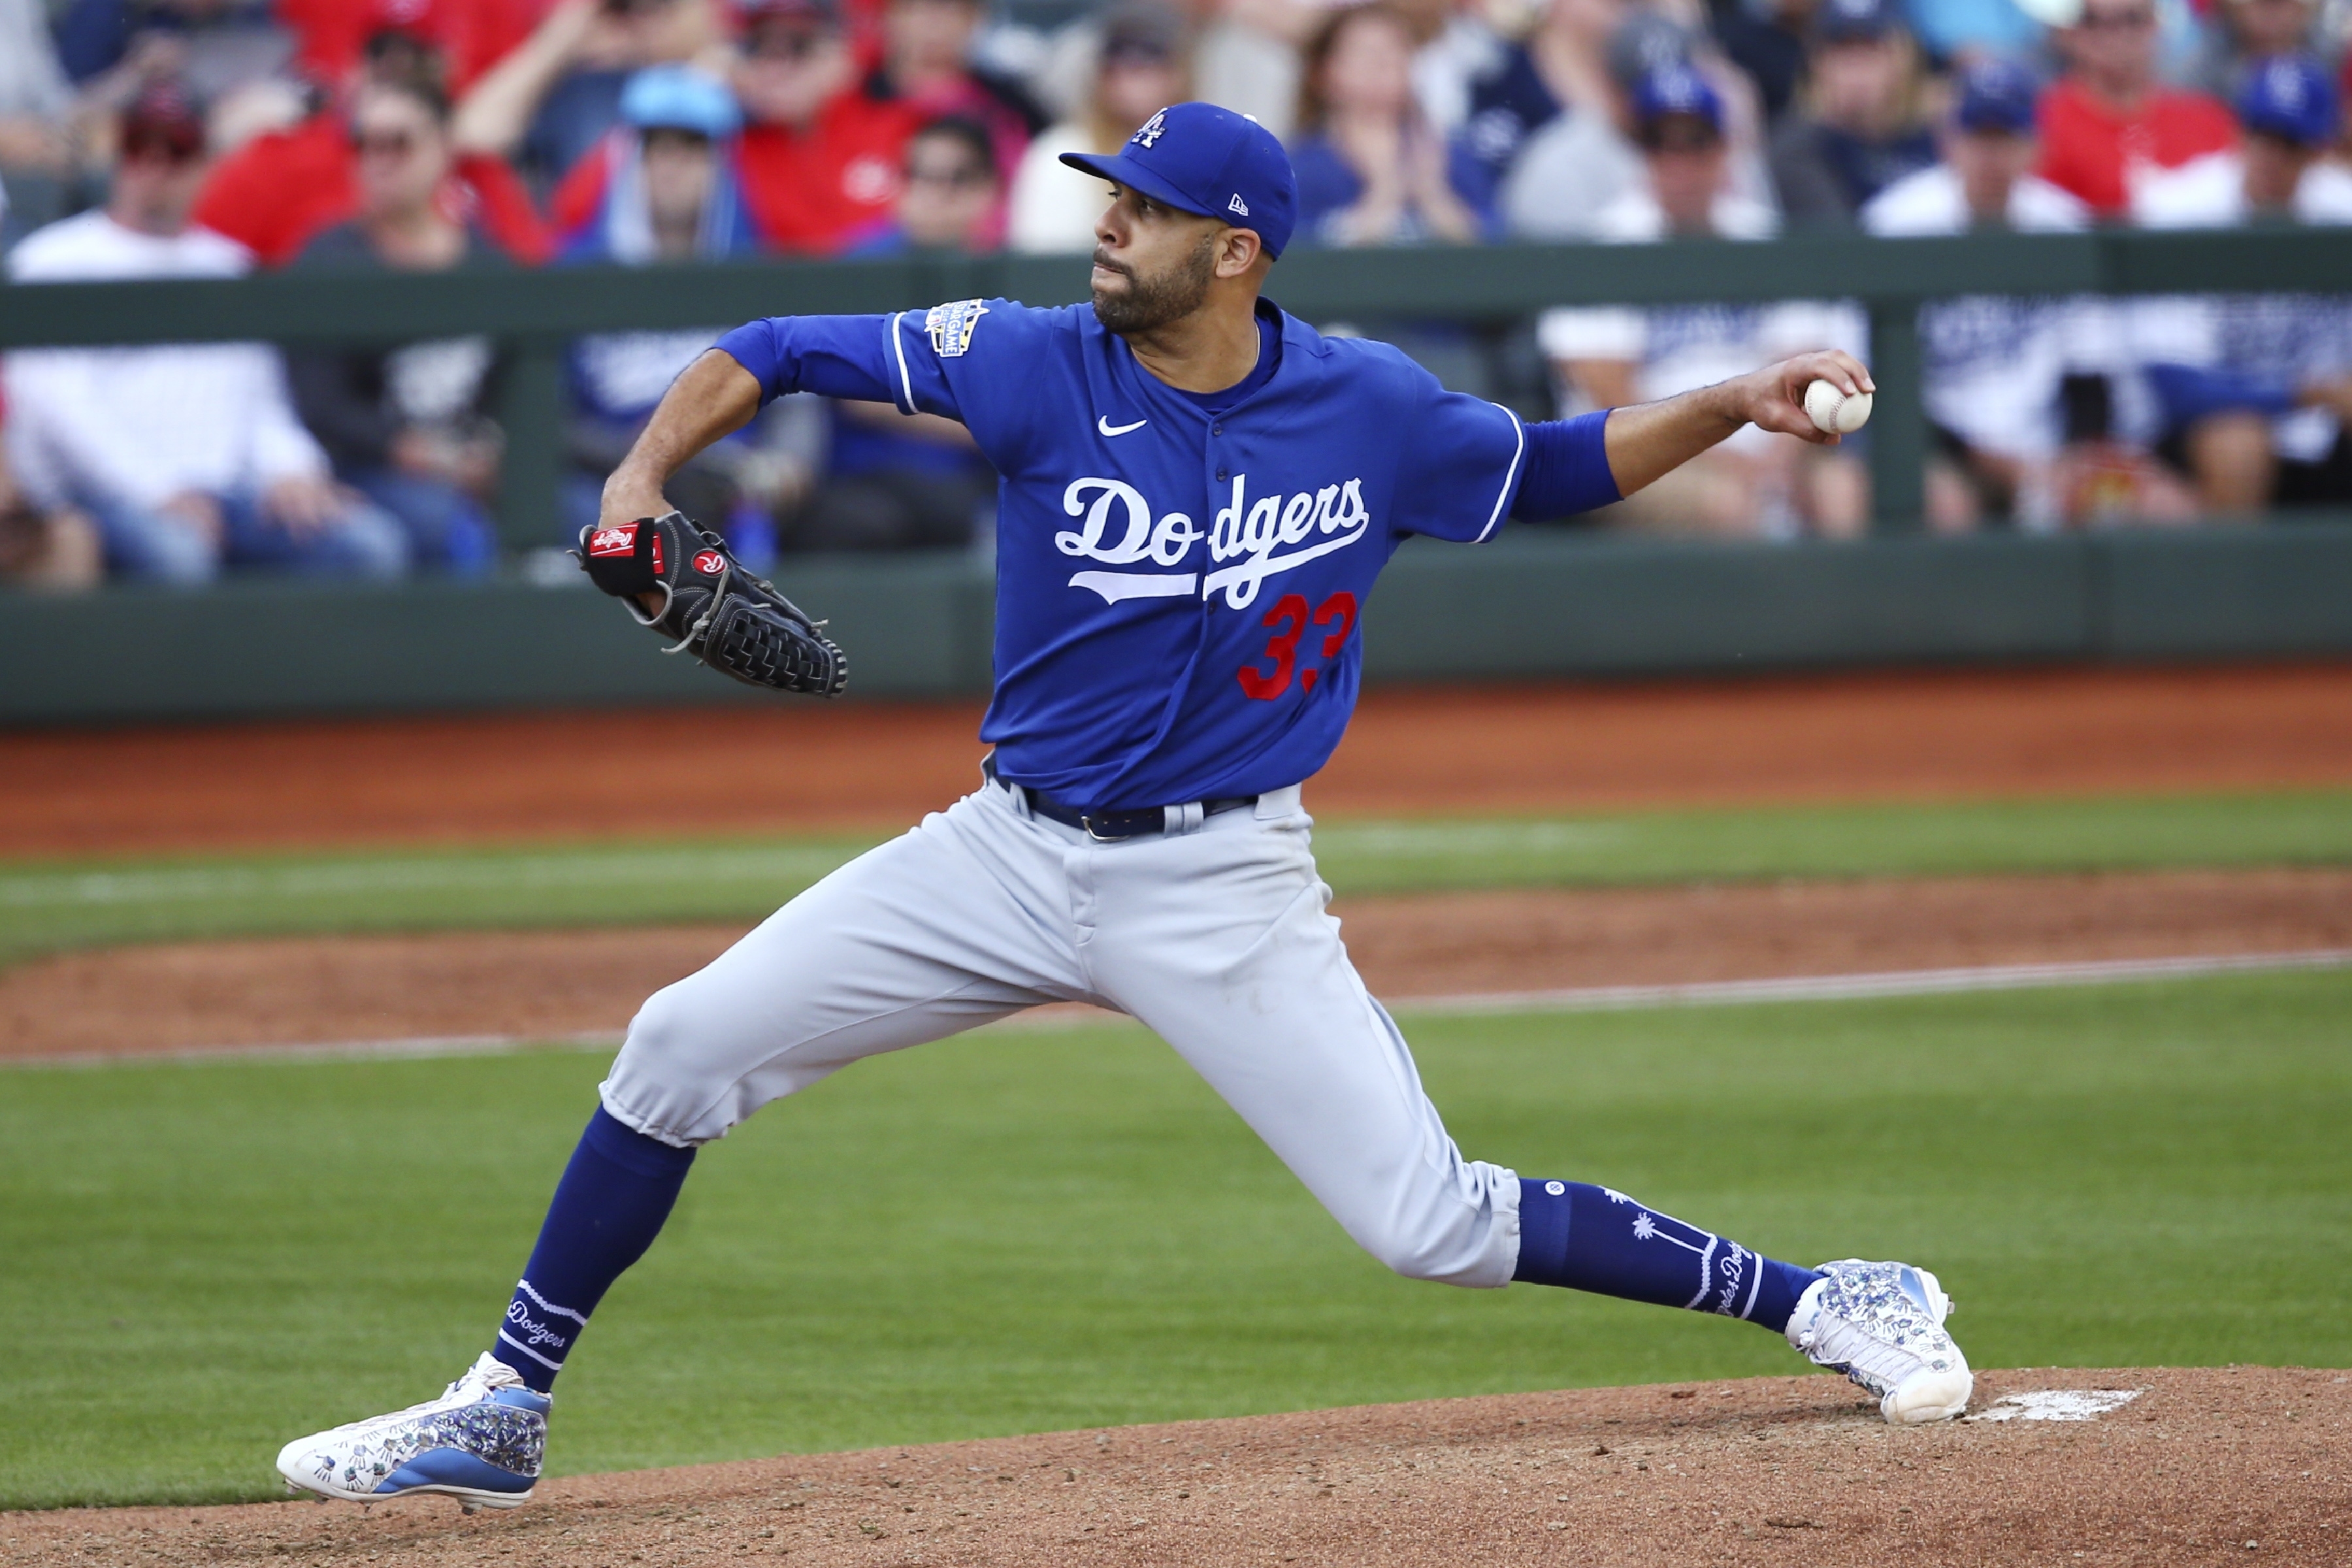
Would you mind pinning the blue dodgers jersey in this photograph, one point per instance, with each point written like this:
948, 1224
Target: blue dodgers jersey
1179, 595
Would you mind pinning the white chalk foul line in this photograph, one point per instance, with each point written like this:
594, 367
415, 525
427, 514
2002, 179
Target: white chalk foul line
1884, 983
415, 1049
1585, 999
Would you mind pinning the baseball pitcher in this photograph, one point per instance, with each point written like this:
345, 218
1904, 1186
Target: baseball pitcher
1198, 492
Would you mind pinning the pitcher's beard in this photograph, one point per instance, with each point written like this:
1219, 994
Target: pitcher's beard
1146, 307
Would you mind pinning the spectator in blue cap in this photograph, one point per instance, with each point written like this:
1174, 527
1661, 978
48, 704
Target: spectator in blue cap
670, 185
2255, 390
1153, 262
1860, 123
1984, 179
1611, 356
1995, 366
2289, 115
670, 190
1680, 126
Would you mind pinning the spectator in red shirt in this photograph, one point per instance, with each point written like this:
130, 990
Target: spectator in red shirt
471, 35
927, 62
820, 159
276, 191
2109, 117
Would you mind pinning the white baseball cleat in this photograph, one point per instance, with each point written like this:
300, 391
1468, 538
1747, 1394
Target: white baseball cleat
1882, 1324
481, 1442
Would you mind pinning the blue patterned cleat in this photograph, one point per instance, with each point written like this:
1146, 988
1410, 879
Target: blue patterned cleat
481, 1443
1882, 1324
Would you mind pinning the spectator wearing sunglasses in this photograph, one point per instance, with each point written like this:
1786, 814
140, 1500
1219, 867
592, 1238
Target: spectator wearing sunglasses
948, 194
189, 457
821, 159
278, 190
896, 481
2108, 120
408, 427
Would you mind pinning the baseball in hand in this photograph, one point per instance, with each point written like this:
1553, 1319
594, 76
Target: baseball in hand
1833, 411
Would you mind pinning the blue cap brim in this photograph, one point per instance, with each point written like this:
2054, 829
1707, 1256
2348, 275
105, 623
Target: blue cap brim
1121, 170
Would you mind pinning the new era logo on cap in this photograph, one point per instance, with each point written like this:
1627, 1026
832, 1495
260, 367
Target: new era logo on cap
1199, 158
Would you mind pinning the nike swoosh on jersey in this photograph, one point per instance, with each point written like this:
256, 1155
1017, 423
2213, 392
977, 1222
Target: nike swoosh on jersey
1103, 424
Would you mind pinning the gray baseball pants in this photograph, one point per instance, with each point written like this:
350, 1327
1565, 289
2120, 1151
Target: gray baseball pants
1216, 938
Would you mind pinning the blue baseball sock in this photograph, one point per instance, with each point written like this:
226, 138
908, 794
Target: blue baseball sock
1591, 1238
609, 1206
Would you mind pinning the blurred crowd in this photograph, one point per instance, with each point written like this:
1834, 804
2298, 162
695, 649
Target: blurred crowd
206, 138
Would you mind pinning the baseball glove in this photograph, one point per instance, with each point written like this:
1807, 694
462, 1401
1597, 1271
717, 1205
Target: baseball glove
735, 623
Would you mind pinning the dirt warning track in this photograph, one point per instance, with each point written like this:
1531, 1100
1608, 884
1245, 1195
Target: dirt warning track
2186, 1466
808, 766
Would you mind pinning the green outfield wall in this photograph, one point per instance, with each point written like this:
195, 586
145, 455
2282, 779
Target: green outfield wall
1522, 607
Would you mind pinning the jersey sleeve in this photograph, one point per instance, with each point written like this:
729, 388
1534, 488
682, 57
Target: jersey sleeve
1462, 468
835, 356
977, 360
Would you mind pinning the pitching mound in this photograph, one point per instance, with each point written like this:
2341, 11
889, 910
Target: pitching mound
1444, 751
2142, 1467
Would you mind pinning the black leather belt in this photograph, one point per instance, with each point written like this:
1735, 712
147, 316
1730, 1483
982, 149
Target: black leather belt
1109, 826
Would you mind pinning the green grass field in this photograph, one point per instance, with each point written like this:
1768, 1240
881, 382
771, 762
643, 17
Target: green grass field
47, 906
1032, 1230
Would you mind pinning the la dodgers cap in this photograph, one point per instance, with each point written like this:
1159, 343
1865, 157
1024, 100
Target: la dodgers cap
1997, 95
1201, 159
1677, 89
2289, 97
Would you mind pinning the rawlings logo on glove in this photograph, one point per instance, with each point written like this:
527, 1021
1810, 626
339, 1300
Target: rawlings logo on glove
620, 539
736, 622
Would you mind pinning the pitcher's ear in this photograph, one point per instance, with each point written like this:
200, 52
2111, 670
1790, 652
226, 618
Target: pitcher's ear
1237, 251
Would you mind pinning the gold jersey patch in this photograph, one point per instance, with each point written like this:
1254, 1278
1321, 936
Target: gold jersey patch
951, 326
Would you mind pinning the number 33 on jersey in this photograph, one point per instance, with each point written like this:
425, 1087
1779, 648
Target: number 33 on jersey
1180, 576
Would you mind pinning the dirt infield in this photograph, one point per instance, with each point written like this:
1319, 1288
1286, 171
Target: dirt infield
2240, 1465
320, 990
807, 766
